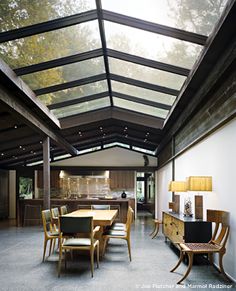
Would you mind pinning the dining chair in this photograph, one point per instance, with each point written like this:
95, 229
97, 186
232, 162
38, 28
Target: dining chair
70, 227
63, 210
215, 245
123, 226
55, 215
119, 234
100, 207
49, 232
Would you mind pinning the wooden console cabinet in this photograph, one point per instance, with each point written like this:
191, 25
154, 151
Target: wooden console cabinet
178, 228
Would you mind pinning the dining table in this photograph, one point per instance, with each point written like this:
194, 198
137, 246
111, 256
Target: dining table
102, 218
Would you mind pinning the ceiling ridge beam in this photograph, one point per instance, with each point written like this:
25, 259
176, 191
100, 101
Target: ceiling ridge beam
142, 101
59, 62
48, 25
148, 63
154, 27
70, 84
78, 100
145, 85
104, 47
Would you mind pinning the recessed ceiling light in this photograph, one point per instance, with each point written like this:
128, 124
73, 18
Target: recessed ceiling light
40, 141
15, 126
20, 147
2, 154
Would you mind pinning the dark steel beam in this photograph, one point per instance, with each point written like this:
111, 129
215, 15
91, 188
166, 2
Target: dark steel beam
59, 62
23, 92
28, 117
78, 100
144, 85
48, 26
71, 84
142, 101
104, 46
147, 62
112, 113
154, 27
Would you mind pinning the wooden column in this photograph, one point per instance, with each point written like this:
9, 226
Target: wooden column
173, 164
46, 173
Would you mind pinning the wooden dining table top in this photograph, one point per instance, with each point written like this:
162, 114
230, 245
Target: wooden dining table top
100, 217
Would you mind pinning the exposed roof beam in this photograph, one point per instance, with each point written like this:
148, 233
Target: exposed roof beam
78, 100
71, 84
154, 27
114, 113
59, 62
48, 25
142, 101
16, 85
104, 47
147, 62
14, 105
144, 85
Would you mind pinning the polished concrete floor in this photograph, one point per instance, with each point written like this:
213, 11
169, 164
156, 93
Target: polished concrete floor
21, 266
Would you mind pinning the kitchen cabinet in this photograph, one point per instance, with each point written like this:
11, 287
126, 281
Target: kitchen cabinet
121, 180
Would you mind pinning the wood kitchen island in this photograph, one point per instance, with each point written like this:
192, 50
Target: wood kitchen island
29, 210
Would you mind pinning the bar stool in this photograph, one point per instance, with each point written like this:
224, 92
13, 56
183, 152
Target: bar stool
32, 215
155, 231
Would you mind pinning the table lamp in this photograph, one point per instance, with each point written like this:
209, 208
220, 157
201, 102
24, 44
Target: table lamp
177, 186
199, 184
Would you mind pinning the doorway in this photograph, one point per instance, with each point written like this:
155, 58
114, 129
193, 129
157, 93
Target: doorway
145, 192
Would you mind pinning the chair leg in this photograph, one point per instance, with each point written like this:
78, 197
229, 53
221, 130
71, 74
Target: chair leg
221, 266
98, 254
104, 246
59, 262
157, 225
92, 261
44, 248
50, 248
181, 256
190, 263
65, 253
129, 248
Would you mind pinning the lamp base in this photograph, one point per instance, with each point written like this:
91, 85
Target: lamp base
189, 215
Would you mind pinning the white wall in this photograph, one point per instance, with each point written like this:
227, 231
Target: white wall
215, 156
163, 177
117, 157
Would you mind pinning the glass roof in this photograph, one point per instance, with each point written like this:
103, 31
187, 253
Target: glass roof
65, 73
196, 16
146, 74
15, 14
51, 45
74, 93
157, 112
136, 54
142, 93
150, 45
82, 107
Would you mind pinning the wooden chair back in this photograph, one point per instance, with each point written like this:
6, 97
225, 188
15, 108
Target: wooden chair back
47, 220
63, 210
55, 213
221, 230
129, 221
69, 226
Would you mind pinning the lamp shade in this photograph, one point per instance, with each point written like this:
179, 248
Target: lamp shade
199, 183
178, 186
